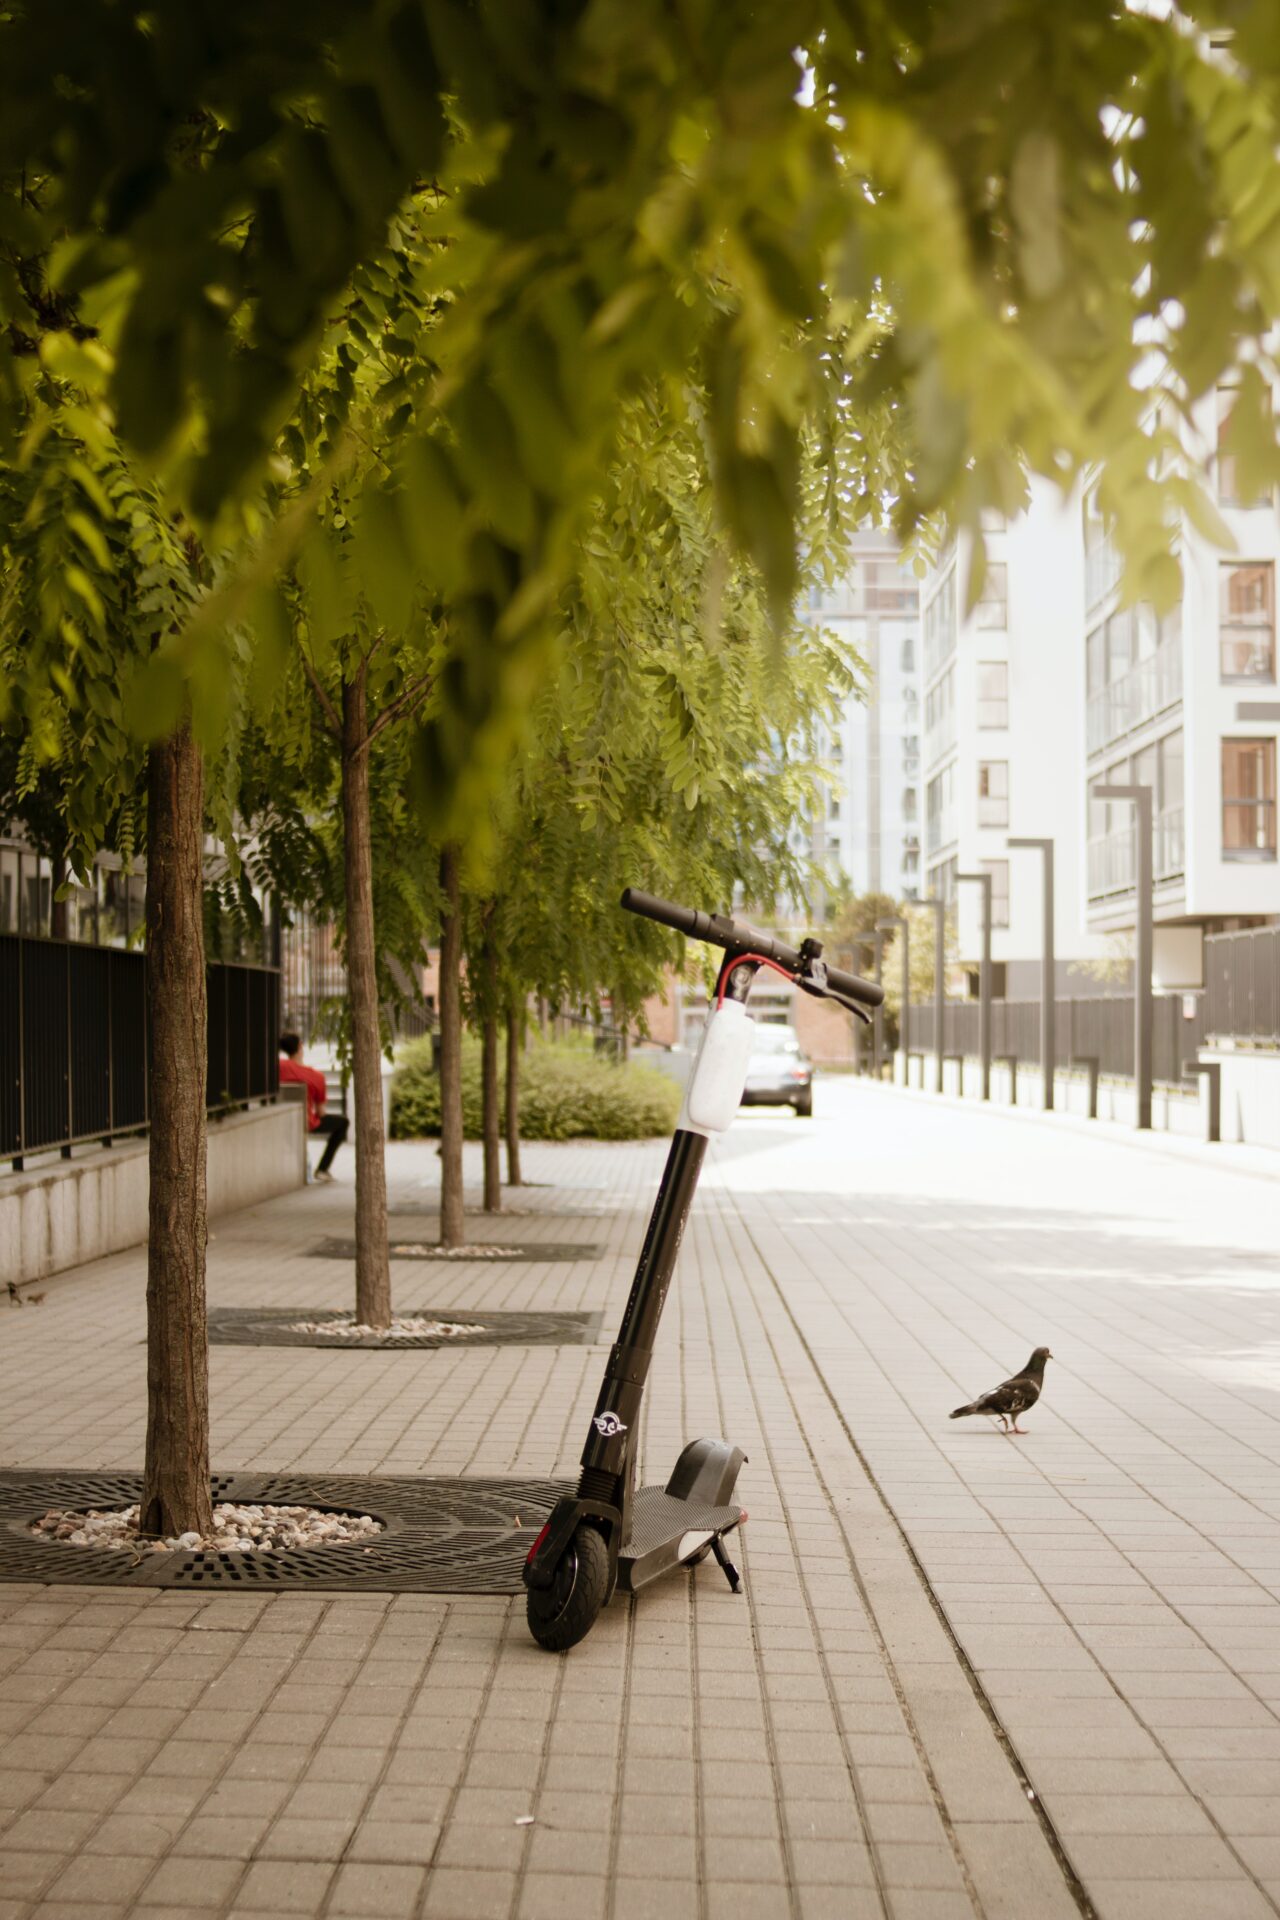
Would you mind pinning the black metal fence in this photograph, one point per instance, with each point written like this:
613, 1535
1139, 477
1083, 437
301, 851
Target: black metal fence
1242, 987
1098, 1027
73, 1042
313, 985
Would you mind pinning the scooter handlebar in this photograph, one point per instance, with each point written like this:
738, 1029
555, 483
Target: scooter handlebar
720, 930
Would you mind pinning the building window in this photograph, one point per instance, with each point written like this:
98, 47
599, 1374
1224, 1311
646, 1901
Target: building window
1247, 620
993, 693
940, 624
908, 656
834, 811
993, 793
992, 610
908, 803
999, 871
1248, 799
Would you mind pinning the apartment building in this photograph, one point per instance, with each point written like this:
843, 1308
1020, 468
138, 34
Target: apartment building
870, 824
1003, 740
1187, 704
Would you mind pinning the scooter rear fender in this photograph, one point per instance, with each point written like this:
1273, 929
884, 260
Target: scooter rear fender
707, 1471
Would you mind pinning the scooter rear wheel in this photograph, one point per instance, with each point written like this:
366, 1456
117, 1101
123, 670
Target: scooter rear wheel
565, 1612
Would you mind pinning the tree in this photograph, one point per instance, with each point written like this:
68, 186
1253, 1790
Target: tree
655, 757
97, 572
983, 231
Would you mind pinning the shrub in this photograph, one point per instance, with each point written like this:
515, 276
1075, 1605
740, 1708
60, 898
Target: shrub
566, 1093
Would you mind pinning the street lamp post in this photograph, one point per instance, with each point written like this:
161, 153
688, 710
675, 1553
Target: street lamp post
1142, 1005
1048, 982
875, 941
898, 923
939, 910
983, 880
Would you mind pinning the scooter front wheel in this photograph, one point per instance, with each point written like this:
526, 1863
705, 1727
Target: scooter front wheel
565, 1612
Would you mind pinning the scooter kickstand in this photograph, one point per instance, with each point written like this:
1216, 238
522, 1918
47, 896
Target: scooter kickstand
726, 1565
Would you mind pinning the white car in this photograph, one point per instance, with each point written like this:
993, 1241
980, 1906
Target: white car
779, 1074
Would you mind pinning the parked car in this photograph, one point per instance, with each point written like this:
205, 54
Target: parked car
779, 1074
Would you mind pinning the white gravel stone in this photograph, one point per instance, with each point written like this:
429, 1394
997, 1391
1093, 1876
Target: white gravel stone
420, 1249
236, 1529
403, 1327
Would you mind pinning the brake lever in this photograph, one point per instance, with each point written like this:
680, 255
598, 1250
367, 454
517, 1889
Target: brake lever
814, 980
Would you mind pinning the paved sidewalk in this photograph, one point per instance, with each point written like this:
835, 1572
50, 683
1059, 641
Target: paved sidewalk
833, 1743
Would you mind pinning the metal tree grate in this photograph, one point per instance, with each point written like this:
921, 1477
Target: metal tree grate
277, 1327
487, 1253
442, 1536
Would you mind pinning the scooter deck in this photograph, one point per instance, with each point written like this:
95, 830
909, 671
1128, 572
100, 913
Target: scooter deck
666, 1530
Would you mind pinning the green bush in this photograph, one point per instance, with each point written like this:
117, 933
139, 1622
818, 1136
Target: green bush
566, 1093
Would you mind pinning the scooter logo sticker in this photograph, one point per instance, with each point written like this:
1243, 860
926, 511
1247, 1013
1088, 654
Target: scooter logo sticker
607, 1425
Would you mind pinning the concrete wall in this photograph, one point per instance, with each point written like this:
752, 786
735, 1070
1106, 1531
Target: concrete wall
75, 1210
1250, 1095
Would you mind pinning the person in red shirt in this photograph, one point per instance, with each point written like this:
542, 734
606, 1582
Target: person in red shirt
333, 1125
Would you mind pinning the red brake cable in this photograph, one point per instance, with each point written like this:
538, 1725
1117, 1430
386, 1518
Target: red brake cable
761, 960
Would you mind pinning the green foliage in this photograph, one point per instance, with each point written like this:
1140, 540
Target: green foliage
965, 237
673, 746
566, 1093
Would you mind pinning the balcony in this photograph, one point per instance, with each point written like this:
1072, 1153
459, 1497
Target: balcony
1149, 687
1103, 566
939, 832
1111, 856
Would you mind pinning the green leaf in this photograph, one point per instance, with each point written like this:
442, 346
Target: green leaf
156, 698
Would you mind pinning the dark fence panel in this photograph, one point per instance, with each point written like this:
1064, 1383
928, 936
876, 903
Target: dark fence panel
89, 994
46, 1051
128, 1042
1242, 986
1096, 1027
10, 1047
73, 1041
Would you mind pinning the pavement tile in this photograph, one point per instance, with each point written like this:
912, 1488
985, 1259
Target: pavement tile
383, 1892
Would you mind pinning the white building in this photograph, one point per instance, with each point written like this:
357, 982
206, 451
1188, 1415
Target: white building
1003, 740
1187, 704
870, 826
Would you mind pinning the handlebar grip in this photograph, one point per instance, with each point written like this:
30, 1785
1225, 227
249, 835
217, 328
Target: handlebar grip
854, 987
683, 919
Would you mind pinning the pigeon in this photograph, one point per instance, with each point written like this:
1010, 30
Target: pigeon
1013, 1396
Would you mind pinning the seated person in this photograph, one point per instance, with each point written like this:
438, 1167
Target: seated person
333, 1125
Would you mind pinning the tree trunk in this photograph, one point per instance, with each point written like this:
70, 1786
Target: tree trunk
452, 1216
515, 1020
175, 1488
373, 1269
491, 1123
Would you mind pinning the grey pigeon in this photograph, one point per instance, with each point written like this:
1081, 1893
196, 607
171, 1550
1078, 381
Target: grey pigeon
1012, 1396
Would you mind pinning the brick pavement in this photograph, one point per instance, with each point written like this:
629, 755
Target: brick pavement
825, 1745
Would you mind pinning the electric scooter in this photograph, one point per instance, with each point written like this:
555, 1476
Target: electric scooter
611, 1533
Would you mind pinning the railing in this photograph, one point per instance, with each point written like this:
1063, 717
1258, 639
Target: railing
1149, 687
1242, 987
73, 1042
1098, 1026
939, 832
313, 985
1111, 855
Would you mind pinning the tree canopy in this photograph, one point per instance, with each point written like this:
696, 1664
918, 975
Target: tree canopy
976, 233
